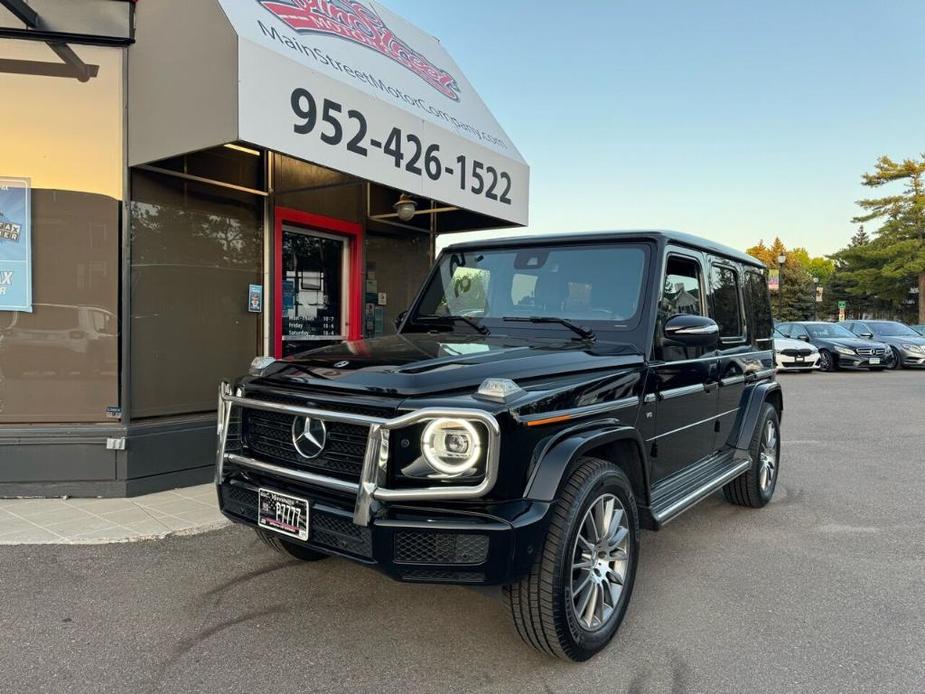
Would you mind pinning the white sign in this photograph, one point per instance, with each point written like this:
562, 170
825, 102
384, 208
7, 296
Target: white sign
352, 86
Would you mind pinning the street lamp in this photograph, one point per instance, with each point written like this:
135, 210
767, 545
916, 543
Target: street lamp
781, 259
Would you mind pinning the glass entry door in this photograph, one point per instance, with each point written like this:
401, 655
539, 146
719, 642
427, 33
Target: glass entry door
314, 296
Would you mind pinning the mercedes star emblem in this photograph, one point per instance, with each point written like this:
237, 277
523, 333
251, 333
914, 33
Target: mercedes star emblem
308, 436
341, 364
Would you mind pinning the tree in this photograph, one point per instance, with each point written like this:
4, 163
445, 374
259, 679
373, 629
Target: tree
860, 237
887, 266
797, 298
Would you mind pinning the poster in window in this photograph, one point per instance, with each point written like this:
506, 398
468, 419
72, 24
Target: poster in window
15, 245
774, 280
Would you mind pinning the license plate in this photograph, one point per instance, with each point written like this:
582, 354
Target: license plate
798, 358
282, 513
875, 360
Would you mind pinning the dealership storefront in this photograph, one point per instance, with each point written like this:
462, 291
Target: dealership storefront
184, 186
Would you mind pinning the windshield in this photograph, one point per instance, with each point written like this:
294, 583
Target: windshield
890, 328
828, 330
596, 285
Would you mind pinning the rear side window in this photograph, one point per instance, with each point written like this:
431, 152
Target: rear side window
727, 310
758, 307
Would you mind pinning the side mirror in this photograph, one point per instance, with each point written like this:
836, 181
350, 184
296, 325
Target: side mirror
866, 336
692, 331
805, 338
399, 319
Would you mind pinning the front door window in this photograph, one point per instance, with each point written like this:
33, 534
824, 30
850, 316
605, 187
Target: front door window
314, 289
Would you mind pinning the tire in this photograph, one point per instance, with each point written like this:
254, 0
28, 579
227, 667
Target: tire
755, 487
284, 547
897, 359
826, 361
541, 604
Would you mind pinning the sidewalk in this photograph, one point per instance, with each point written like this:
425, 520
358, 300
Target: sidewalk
96, 521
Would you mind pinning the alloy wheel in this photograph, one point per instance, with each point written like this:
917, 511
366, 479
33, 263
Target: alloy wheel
825, 361
767, 456
600, 559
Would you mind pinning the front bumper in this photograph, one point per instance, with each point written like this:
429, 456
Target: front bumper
487, 545
785, 363
912, 360
445, 534
863, 362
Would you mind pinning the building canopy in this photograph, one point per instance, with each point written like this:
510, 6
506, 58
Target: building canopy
345, 84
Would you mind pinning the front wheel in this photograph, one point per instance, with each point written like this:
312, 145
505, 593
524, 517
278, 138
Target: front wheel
576, 594
826, 360
897, 362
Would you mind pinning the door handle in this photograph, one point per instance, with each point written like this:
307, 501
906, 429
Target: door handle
710, 386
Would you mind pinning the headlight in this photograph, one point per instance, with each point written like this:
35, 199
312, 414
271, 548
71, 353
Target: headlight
844, 350
913, 348
451, 446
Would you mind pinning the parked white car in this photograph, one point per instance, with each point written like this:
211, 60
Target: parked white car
794, 355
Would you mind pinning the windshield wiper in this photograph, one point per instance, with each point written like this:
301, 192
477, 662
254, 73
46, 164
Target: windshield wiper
585, 333
481, 329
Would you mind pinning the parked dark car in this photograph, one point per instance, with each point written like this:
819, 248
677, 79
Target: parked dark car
907, 346
838, 347
543, 400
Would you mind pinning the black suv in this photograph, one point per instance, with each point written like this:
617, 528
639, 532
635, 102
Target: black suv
543, 400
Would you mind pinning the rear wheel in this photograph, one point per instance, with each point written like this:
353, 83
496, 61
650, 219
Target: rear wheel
575, 596
279, 544
756, 487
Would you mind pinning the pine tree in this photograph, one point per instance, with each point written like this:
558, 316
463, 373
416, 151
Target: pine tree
860, 238
887, 265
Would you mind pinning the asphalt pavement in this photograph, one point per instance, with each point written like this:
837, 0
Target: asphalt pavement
822, 591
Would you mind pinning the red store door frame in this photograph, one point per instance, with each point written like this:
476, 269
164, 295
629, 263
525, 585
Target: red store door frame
356, 284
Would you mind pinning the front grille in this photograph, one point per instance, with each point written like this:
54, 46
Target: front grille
415, 547
868, 352
326, 528
796, 352
268, 435
340, 533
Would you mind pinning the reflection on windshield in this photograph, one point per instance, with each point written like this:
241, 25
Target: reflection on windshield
891, 329
600, 284
828, 330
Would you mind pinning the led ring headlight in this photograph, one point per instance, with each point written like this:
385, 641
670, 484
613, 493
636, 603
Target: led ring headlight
451, 446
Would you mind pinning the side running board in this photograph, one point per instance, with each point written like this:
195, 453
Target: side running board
673, 496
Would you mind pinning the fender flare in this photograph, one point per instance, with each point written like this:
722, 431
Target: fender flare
553, 459
753, 399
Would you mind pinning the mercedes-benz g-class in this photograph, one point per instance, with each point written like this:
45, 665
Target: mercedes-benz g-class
543, 399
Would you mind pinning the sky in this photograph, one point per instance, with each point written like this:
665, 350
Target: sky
733, 120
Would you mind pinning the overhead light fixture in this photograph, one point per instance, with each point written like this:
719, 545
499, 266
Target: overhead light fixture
240, 148
405, 207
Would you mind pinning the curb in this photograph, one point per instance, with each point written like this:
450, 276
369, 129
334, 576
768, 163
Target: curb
184, 532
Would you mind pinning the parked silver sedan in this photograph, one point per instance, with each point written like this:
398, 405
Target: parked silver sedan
907, 345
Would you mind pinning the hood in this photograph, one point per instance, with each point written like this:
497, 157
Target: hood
428, 363
852, 342
902, 339
789, 343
